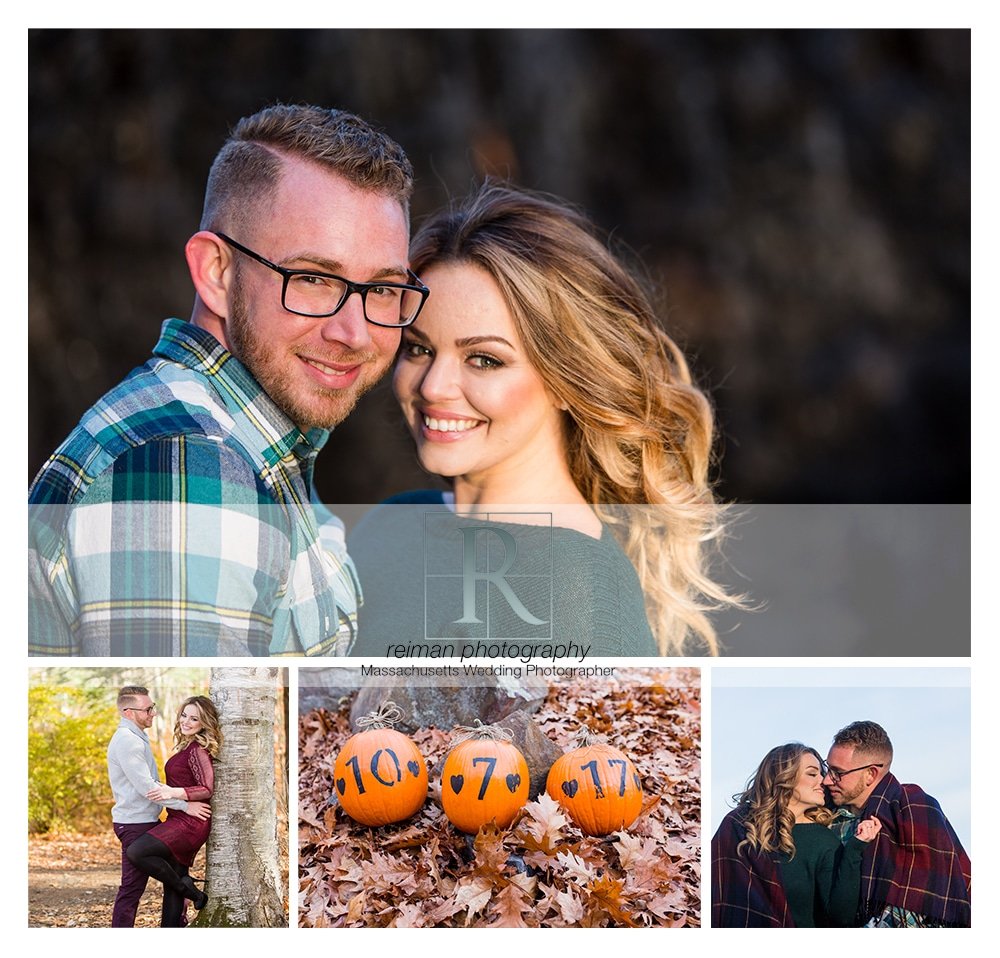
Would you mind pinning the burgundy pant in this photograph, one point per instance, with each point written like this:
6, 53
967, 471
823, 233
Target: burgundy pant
133, 881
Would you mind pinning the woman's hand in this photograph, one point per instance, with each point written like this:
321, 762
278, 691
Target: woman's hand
868, 829
201, 810
163, 793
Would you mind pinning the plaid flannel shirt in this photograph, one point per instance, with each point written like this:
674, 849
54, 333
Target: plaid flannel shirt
179, 518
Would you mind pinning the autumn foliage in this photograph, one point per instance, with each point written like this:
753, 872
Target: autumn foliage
541, 871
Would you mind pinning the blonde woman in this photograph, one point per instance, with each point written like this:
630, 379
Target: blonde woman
167, 850
538, 382
775, 862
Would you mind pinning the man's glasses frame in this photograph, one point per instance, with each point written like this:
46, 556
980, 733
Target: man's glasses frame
836, 774
132, 708
362, 289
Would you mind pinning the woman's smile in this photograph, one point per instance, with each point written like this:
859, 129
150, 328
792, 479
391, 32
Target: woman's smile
443, 427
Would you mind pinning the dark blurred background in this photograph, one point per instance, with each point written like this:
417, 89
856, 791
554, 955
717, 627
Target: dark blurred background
800, 200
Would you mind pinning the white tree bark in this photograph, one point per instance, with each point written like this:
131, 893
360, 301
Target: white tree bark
244, 879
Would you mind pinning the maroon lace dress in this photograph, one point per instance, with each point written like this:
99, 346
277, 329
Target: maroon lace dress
190, 769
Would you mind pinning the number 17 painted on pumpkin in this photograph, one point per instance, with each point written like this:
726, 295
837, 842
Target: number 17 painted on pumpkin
599, 790
602, 801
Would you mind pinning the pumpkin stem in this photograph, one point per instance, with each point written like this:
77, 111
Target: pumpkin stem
480, 731
385, 716
585, 736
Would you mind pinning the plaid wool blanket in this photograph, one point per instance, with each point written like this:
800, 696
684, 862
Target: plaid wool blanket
917, 862
746, 886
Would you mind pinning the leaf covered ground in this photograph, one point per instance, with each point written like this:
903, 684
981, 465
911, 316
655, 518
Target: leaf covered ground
540, 872
73, 879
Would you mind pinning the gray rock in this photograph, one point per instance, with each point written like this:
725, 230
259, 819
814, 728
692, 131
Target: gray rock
461, 702
325, 688
538, 749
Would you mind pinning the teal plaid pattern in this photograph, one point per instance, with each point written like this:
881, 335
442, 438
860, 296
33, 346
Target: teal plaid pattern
179, 518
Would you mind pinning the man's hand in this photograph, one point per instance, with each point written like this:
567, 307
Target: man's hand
203, 810
868, 829
163, 793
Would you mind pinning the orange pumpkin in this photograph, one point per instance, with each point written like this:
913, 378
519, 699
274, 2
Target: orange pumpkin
380, 776
597, 786
484, 779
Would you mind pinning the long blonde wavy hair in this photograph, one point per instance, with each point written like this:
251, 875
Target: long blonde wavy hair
764, 802
210, 734
638, 432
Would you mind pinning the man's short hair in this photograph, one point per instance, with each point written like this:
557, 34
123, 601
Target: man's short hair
129, 694
247, 169
867, 737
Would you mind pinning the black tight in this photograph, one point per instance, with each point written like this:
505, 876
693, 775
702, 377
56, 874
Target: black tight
172, 909
151, 856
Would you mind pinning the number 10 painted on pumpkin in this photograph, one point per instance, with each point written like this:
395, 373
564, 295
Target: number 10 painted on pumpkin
394, 792
353, 763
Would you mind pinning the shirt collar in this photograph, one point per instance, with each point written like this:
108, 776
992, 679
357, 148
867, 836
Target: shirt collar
845, 812
197, 349
132, 727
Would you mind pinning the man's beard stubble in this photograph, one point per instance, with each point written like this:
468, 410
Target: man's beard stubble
328, 408
847, 797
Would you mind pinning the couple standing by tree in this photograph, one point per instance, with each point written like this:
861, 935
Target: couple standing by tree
151, 848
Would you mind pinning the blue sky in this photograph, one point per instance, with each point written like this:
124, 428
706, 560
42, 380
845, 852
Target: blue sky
925, 711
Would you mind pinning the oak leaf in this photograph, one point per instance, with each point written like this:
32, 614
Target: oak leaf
509, 907
570, 907
604, 896
356, 907
473, 895
544, 819
574, 867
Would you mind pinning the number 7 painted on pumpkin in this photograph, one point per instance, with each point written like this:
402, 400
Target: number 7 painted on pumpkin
492, 762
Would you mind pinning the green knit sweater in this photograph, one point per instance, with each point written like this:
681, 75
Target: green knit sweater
822, 880
411, 553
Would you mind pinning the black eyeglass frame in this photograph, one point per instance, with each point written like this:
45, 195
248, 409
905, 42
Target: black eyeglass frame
132, 708
837, 775
351, 287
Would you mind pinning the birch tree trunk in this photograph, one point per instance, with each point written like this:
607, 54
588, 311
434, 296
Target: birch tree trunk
244, 879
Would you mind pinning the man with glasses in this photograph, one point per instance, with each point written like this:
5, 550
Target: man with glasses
915, 873
133, 773
178, 517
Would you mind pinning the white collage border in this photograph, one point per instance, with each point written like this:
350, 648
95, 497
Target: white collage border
983, 662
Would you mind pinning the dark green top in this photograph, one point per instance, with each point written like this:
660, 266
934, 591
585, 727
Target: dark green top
823, 880
422, 573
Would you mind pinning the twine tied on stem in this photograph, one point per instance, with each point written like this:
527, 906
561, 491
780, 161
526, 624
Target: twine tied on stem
494, 732
387, 715
585, 737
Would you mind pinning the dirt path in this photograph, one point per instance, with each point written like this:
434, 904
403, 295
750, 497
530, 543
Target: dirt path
72, 881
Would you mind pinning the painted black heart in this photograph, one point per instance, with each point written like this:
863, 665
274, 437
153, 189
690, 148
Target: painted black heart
457, 781
513, 783
341, 785
569, 788
414, 769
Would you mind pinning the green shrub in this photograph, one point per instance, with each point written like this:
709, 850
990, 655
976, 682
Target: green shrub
68, 733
